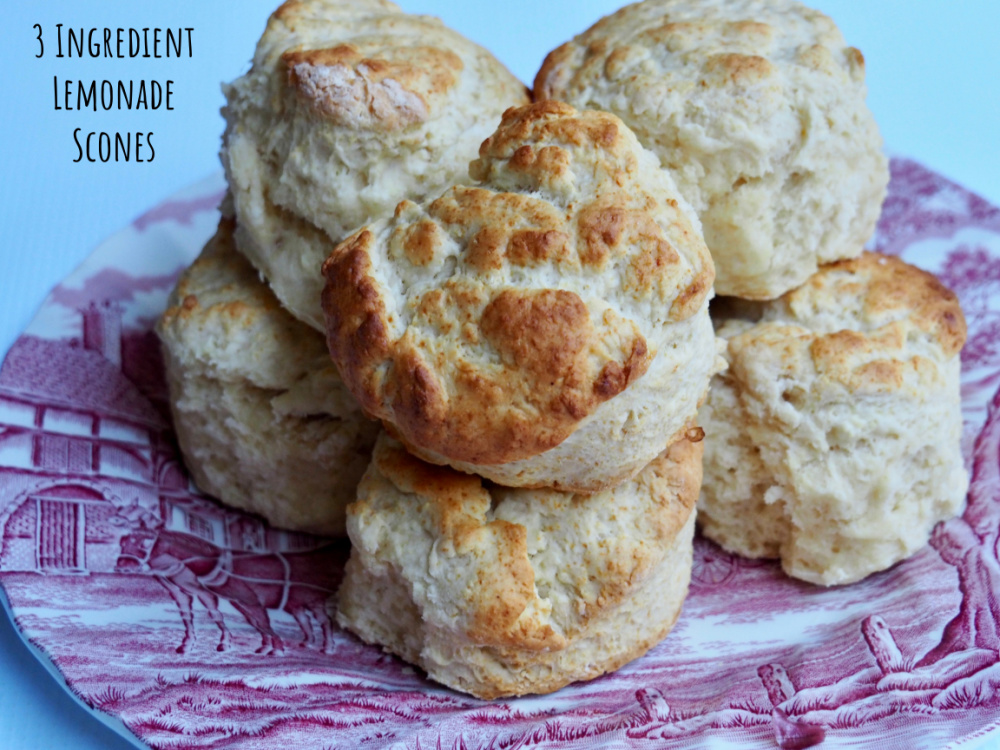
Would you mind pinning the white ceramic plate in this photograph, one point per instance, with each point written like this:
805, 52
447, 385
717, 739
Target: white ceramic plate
85, 440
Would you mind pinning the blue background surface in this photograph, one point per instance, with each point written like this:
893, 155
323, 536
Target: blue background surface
934, 86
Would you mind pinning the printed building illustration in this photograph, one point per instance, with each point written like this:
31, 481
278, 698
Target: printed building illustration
77, 449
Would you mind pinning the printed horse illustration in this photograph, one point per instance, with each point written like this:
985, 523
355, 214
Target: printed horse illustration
191, 568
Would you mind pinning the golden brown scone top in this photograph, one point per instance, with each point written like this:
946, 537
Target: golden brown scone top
223, 318
871, 324
487, 324
364, 65
368, 83
877, 290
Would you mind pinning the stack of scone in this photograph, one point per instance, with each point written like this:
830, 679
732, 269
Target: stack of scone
348, 108
532, 332
520, 293
543, 325
833, 438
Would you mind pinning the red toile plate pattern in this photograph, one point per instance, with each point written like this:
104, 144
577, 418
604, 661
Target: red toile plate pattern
232, 646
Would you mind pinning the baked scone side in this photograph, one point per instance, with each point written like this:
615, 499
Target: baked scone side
834, 437
498, 591
262, 418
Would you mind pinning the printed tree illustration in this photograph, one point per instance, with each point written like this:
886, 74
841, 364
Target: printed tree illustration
969, 544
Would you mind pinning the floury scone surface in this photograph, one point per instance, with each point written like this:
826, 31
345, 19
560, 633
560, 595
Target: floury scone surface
262, 417
834, 438
348, 109
542, 325
497, 591
757, 108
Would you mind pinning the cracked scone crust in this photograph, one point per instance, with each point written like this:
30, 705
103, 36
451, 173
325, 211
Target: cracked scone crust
757, 107
833, 440
263, 420
497, 591
349, 108
545, 326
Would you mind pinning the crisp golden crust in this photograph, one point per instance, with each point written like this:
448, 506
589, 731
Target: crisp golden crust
356, 333
885, 288
551, 373
457, 505
500, 228
518, 591
236, 298
473, 325
391, 87
561, 123
555, 73
460, 507
870, 324
349, 108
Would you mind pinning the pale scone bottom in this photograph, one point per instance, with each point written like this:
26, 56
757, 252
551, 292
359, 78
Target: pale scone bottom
837, 485
607, 574
380, 609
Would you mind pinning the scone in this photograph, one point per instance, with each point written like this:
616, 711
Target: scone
544, 326
349, 108
757, 108
263, 420
500, 592
833, 438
